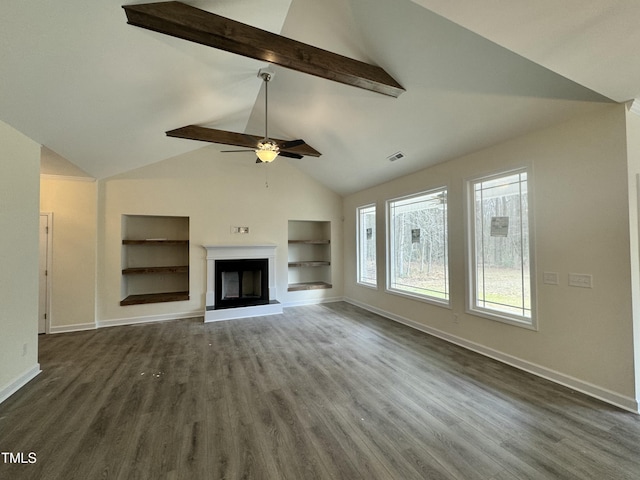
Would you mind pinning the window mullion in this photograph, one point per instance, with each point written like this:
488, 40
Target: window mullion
522, 290
482, 247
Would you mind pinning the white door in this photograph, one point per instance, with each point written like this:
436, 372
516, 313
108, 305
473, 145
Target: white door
43, 310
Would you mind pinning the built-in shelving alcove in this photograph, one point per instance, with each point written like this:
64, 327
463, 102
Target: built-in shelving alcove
309, 255
155, 259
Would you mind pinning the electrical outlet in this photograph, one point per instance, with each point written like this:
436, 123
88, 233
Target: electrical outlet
456, 318
551, 278
581, 280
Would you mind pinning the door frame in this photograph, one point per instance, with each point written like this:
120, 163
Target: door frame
47, 322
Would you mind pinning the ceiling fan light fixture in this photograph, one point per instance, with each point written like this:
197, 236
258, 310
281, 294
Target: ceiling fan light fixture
267, 151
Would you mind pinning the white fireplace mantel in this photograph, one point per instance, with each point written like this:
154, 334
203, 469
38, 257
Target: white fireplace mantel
239, 252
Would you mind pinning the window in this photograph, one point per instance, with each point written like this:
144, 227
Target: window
500, 248
418, 251
367, 245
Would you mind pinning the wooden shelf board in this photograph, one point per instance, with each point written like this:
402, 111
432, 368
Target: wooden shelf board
155, 242
146, 270
311, 242
309, 264
155, 298
295, 287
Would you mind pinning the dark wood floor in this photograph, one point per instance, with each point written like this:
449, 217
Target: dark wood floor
321, 392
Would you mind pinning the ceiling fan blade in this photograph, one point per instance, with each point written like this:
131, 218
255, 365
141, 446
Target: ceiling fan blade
212, 135
297, 147
205, 134
290, 154
234, 151
291, 144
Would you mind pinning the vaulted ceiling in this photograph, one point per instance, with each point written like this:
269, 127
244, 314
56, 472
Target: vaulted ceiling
100, 93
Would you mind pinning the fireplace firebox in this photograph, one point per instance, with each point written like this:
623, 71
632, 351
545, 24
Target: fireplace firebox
241, 283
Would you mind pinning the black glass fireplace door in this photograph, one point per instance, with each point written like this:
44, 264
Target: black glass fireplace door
241, 283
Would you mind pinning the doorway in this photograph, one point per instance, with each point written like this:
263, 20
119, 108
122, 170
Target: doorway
44, 297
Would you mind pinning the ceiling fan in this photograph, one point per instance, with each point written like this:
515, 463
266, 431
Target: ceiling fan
266, 149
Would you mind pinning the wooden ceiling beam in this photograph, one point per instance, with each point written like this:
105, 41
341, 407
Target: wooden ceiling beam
190, 23
243, 140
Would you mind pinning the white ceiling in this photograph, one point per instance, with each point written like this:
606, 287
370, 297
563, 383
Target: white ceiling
100, 93
593, 42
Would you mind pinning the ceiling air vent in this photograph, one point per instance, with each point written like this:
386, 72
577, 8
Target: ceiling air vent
395, 156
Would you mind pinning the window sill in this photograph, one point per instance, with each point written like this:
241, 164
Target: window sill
367, 285
420, 298
529, 324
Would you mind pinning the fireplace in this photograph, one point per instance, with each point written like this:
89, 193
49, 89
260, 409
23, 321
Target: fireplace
241, 283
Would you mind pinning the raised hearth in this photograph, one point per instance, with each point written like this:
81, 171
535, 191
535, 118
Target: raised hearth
243, 285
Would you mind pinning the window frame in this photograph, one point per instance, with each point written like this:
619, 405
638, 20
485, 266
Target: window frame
390, 247
359, 279
471, 260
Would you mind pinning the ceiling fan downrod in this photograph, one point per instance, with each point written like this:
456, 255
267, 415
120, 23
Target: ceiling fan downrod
267, 150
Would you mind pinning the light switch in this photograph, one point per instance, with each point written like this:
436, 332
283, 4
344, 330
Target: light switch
551, 278
581, 280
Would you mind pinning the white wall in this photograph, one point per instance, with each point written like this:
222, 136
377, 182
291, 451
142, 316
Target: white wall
19, 174
73, 276
580, 190
633, 153
216, 191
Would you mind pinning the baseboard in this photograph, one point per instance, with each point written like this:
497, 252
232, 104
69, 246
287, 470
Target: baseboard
116, 322
78, 327
313, 301
613, 398
19, 382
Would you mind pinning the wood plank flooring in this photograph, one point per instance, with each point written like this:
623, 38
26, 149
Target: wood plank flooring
321, 392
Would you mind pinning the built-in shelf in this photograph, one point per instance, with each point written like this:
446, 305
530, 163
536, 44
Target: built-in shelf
296, 287
155, 298
155, 242
311, 242
309, 264
145, 270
